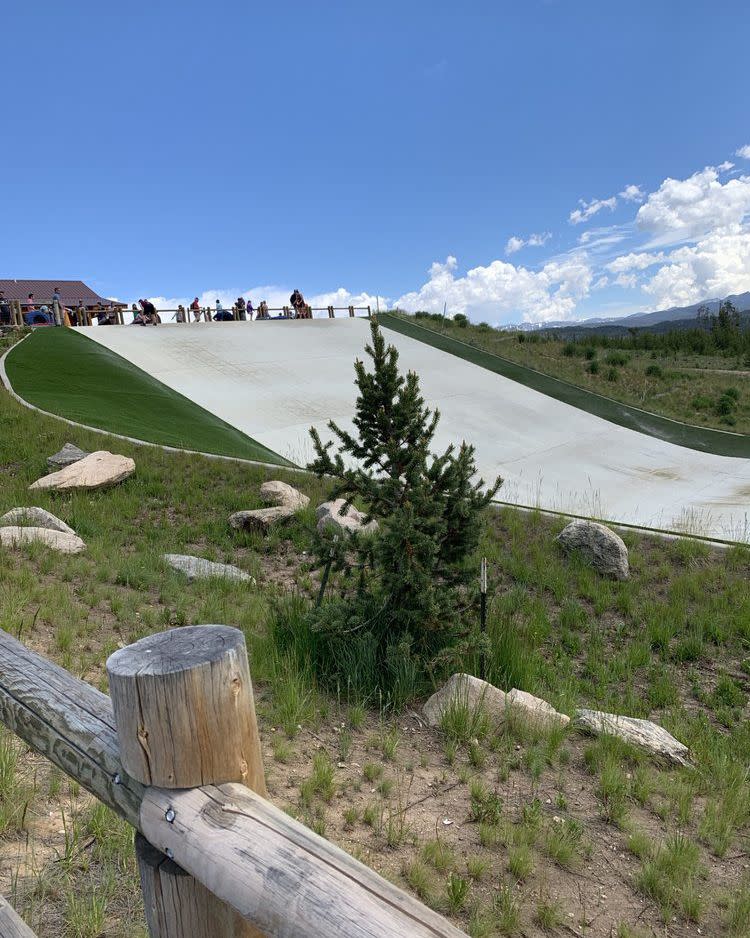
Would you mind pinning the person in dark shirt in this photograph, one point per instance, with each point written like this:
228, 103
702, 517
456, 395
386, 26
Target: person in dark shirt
5, 314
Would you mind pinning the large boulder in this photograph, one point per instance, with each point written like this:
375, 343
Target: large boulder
281, 494
14, 536
261, 519
530, 712
34, 517
65, 457
98, 470
642, 733
343, 520
464, 689
197, 568
598, 546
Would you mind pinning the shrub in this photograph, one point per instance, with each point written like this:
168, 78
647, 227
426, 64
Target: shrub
617, 358
594, 368
654, 371
612, 374
401, 616
569, 349
460, 320
590, 353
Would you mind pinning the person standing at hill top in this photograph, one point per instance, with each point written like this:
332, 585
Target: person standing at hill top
195, 309
298, 304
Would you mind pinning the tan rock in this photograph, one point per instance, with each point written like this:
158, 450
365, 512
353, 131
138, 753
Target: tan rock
468, 690
280, 494
36, 518
97, 471
14, 536
534, 713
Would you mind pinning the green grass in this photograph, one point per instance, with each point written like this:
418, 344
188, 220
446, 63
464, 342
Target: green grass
68, 374
592, 393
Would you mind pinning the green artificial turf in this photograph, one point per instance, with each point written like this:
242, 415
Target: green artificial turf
65, 373
706, 440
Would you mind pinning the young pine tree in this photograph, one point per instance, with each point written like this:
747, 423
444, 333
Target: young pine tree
427, 507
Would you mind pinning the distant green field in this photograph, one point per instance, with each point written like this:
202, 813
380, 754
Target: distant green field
67, 374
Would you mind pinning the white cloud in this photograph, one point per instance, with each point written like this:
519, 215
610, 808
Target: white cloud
501, 289
602, 282
716, 266
743, 152
687, 209
632, 193
630, 281
590, 209
533, 241
633, 261
725, 166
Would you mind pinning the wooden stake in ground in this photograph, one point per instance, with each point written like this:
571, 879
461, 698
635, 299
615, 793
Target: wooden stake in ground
183, 704
11, 923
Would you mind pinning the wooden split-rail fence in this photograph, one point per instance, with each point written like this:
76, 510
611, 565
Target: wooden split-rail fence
175, 751
84, 316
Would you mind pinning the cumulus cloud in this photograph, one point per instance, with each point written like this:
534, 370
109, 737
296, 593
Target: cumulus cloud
500, 289
715, 266
687, 209
743, 152
634, 261
632, 193
533, 241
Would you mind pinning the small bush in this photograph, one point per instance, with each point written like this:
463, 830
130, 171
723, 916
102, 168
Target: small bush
654, 371
619, 359
590, 353
593, 368
612, 374
460, 320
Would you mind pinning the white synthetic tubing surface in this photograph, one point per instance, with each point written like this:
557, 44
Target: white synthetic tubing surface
273, 380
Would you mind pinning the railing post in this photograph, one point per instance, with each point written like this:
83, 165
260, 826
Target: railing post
185, 715
17, 314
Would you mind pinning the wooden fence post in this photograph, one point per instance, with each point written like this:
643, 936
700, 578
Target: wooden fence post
16, 311
185, 715
11, 923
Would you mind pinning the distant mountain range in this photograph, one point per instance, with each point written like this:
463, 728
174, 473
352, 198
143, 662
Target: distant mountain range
675, 314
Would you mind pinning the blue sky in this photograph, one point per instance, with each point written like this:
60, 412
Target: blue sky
171, 149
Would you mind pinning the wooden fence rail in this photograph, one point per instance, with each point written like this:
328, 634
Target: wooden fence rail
217, 860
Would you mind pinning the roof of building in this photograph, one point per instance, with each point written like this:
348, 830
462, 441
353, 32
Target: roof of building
71, 291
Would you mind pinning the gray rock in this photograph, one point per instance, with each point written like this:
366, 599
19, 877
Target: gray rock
642, 733
280, 494
468, 690
261, 519
14, 536
35, 517
197, 568
598, 546
65, 457
98, 470
334, 516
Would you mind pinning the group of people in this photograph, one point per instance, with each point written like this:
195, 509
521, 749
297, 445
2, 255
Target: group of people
242, 310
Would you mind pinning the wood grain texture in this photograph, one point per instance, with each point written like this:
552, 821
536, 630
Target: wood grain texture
11, 923
183, 703
178, 906
278, 874
69, 722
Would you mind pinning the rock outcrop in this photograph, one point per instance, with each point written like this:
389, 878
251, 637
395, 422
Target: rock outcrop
642, 733
65, 457
98, 470
36, 518
197, 568
598, 546
334, 516
15, 536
